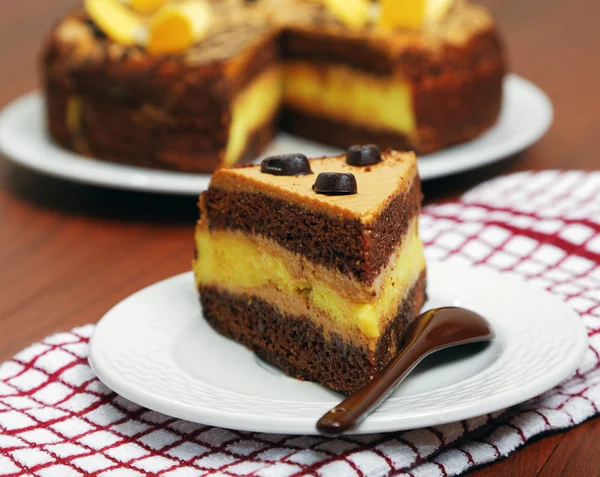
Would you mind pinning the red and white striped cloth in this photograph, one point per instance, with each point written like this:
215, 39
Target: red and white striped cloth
57, 419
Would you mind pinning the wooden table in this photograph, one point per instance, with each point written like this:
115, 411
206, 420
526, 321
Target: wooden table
70, 252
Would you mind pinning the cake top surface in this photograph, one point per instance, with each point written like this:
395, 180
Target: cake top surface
377, 184
238, 24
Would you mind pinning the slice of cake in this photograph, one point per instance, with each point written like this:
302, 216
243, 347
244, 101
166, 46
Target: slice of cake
317, 265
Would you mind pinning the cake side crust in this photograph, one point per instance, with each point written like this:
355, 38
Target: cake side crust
114, 133
452, 107
300, 348
150, 111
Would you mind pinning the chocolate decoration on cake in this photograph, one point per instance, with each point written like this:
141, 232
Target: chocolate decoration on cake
286, 165
366, 155
335, 183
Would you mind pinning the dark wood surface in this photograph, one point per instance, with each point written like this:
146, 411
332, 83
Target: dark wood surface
69, 252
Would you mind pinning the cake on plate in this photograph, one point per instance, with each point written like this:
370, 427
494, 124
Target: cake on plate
194, 85
315, 265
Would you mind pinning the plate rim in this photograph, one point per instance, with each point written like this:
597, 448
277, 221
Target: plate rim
77, 168
299, 425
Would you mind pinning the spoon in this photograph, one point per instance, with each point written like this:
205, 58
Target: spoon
432, 331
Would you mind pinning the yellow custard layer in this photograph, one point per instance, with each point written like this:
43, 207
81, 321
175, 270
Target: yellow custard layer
254, 107
350, 96
240, 263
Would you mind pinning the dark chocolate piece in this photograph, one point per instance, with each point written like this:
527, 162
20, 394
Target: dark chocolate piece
366, 155
335, 183
286, 165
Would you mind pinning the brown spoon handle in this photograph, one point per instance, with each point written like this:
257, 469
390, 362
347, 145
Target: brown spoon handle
359, 405
432, 331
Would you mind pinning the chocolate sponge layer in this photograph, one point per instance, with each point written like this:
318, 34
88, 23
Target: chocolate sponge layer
299, 347
353, 248
338, 133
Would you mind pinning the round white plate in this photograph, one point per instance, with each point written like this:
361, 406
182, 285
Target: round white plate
155, 349
526, 116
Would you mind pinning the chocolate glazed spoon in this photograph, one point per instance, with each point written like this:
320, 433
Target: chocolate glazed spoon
431, 331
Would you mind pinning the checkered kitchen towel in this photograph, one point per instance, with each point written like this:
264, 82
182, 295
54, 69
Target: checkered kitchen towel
57, 419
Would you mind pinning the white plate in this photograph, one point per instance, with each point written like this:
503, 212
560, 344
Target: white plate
526, 116
155, 349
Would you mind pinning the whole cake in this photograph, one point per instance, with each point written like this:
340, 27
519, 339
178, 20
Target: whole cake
195, 85
317, 265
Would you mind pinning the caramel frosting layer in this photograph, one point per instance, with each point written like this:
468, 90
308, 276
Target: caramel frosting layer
377, 185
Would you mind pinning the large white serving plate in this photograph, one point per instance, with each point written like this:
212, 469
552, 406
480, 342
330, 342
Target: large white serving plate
526, 116
155, 349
